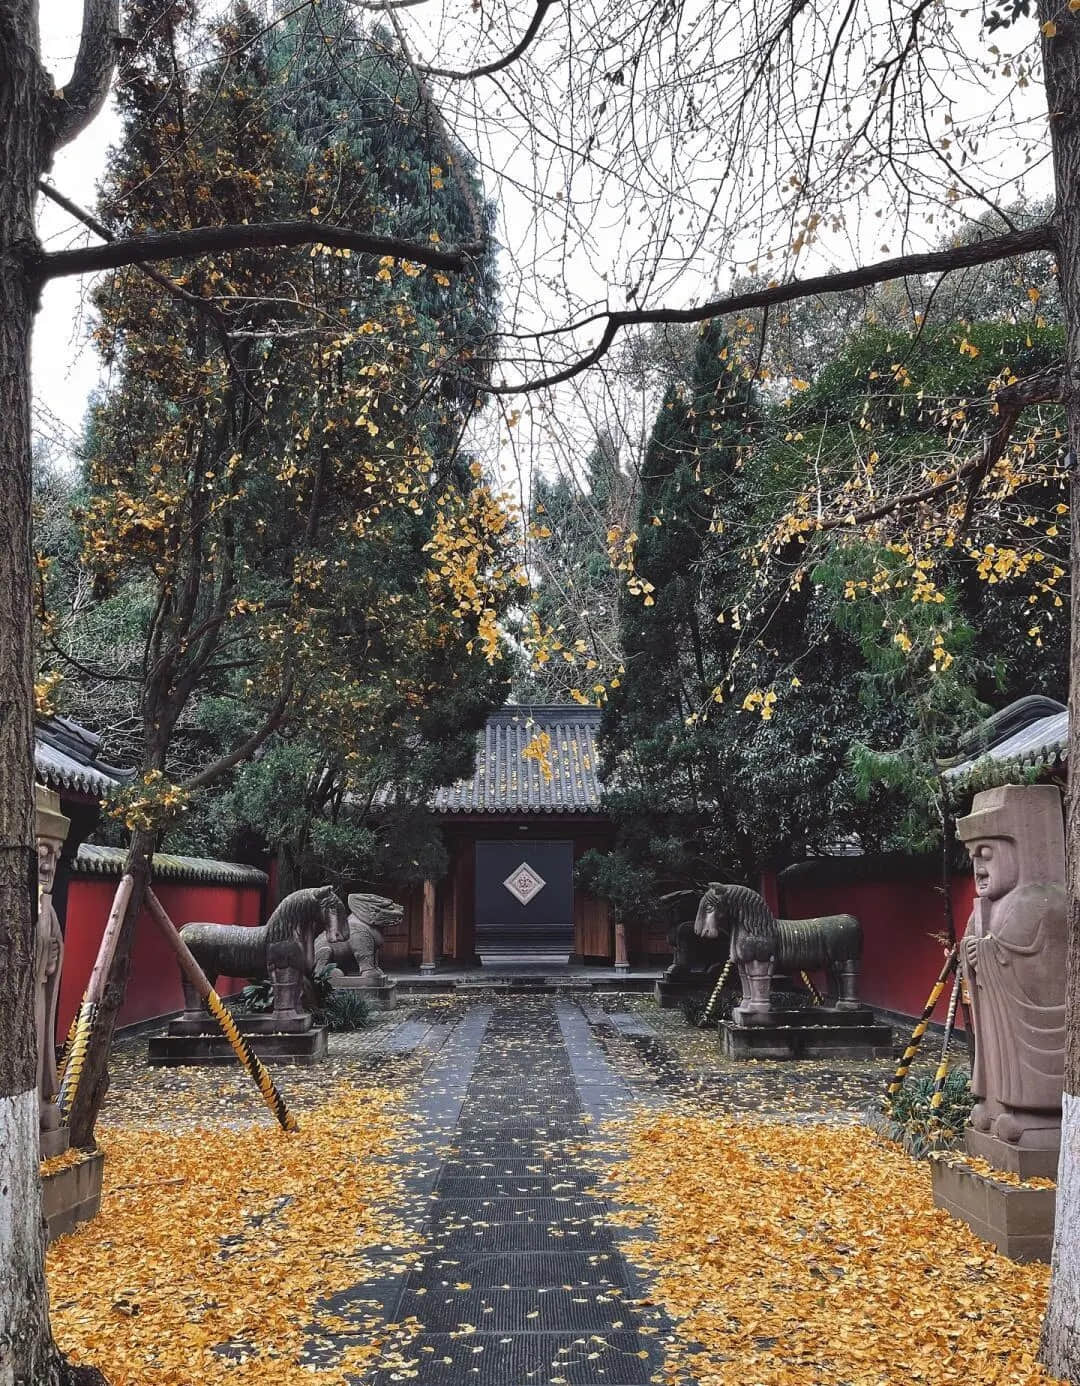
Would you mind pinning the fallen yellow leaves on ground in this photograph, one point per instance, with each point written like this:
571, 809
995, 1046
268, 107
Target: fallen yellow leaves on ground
232, 1235
796, 1255
71, 1156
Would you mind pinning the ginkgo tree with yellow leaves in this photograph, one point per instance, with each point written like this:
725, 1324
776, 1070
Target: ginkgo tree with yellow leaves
274, 481
787, 690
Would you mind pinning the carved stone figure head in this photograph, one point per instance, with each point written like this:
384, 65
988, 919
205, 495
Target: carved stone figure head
1014, 836
376, 911
51, 830
706, 923
995, 866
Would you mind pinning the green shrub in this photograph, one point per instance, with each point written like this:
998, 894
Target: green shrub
693, 1008
256, 999
340, 1010
910, 1111
346, 1011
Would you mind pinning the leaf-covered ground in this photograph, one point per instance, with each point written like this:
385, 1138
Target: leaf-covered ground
230, 1235
787, 1245
796, 1255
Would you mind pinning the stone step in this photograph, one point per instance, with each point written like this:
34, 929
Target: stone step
572, 1266
490, 1185
542, 1235
498, 1310
517, 1359
508, 1208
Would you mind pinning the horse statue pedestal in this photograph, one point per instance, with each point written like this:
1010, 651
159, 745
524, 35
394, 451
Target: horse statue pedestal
281, 950
187, 1043
808, 1032
383, 994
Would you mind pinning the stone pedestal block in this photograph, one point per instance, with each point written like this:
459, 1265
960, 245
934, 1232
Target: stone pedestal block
54, 1142
267, 1024
1018, 1222
382, 994
672, 992
802, 1016
806, 1040
72, 1194
211, 1047
1021, 1160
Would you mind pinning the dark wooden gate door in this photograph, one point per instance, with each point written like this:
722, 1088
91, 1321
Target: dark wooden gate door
524, 899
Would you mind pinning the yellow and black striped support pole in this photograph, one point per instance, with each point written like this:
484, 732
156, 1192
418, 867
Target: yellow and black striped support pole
713, 1003
82, 1027
217, 1008
920, 1028
65, 1053
815, 994
938, 1095
251, 1062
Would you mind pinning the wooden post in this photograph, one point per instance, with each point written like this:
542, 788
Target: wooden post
622, 963
199, 980
427, 955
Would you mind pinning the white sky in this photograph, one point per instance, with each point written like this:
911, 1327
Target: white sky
561, 261
66, 368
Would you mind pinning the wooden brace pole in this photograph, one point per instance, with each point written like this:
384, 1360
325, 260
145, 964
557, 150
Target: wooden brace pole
83, 1026
199, 980
920, 1028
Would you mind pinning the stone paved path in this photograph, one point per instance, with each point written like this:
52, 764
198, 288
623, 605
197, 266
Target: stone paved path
522, 1282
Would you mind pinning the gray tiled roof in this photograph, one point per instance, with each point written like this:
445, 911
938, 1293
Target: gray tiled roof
1041, 744
66, 757
503, 781
95, 860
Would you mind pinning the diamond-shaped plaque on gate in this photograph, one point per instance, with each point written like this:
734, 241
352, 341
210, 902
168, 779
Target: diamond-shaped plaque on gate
524, 883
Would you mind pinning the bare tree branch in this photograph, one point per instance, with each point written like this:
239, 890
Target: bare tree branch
76, 105
247, 748
1042, 237
202, 305
210, 240
486, 69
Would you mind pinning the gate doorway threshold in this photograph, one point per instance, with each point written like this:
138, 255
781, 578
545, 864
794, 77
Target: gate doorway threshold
531, 976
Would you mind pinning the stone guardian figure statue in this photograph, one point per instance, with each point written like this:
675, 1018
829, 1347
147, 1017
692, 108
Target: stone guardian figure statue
1013, 957
51, 830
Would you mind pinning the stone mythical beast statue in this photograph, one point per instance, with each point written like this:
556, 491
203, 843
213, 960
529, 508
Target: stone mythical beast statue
761, 945
282, 949
356, 954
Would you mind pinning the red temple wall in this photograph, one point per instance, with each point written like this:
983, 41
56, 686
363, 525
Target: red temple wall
154, 984
901, 919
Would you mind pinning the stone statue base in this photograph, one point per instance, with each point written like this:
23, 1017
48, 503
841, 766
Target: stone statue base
1025, 1161
268, 1024
71, 1195
54, 1142
211, 1047
673, 992
1017, 1222
813, 1032
380, 991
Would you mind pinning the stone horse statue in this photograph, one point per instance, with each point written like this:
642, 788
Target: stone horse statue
282, 949
357, 954
761, 945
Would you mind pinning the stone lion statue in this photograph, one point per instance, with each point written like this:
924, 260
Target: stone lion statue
356, 954
761, 945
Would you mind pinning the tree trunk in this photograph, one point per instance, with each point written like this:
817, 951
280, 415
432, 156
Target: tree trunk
27, 1353
94, 1083
1060, 1349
